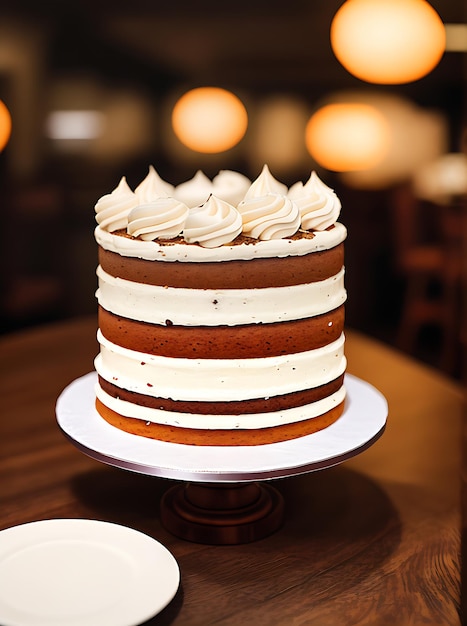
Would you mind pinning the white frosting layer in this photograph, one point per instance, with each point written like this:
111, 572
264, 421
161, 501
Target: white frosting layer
213, 307
253, 420
211, 380
153, 250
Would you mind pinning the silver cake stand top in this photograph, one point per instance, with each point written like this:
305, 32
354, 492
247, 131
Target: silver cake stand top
362, 423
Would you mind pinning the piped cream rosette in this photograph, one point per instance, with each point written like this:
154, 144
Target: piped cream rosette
213, 213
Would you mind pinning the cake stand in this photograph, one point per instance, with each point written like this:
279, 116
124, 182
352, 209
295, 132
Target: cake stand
220, 500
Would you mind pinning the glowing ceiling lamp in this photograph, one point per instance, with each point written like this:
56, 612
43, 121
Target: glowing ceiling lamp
388, 41
5, 125
209, 119
347, 136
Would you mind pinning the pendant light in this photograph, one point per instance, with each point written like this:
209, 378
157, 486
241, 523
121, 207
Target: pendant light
209, 119
388, 41
5, 125
347, 136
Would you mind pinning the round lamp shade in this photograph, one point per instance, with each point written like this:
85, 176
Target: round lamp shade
388, 41
209, 119
347, 136
5, 125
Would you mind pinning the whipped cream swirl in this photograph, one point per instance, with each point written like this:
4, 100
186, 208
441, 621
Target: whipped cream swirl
230, 186
194, 192
229, 204
113, 208
272, 216
318, 204
153, 187
265, 184
213, 224
163, 218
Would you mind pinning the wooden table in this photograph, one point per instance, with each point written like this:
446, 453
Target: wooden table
375, 540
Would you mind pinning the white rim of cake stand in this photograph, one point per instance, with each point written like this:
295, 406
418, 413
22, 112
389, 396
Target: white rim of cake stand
360, 426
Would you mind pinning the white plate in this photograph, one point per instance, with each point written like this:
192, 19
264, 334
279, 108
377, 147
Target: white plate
79, 572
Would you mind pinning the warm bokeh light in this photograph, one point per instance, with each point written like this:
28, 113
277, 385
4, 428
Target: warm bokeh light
347, 136
103, 122
5, 125
416, 135
68, 125
209, 119
388, 41
442, 180
277, 134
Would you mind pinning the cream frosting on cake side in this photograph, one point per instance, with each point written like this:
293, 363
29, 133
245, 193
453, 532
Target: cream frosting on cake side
173, 251
214, 307
250, 422
216, 380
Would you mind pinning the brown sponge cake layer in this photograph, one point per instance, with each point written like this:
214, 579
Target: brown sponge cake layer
199, 437
223, 342
237, 274
241, 407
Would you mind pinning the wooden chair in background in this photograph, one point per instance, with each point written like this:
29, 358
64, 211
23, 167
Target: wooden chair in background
32, 279
430, 243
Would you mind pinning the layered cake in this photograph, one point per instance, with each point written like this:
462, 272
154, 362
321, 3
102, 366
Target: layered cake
221, 309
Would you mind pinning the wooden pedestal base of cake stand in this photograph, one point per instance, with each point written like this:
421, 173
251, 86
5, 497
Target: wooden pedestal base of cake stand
221, 500
222, 513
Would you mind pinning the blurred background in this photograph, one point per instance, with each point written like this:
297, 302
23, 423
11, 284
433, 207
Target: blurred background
90, 87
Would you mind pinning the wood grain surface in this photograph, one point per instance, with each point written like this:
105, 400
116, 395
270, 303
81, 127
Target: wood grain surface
373, 541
